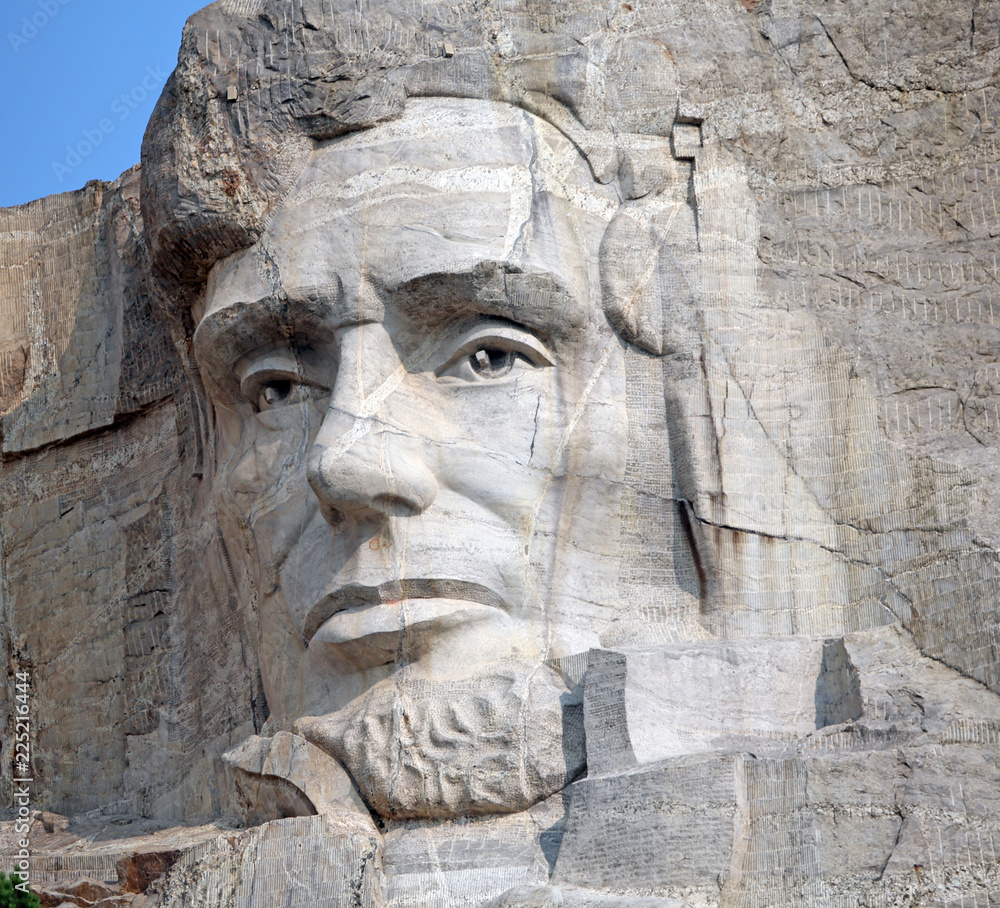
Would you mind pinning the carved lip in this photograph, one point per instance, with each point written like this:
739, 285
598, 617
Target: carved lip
357, 597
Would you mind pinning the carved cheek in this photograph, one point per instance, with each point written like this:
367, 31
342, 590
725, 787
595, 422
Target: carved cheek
269, 454
499, 452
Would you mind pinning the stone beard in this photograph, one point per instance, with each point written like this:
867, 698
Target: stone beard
422, 452
499, 740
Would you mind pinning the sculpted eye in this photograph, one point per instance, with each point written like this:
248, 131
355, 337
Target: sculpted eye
494, 352
274, 379
276, 392
492, 362
270, 390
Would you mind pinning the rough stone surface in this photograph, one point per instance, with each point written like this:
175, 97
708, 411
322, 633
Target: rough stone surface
320, 860
518, 454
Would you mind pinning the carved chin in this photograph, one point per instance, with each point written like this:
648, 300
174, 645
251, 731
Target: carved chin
495, 743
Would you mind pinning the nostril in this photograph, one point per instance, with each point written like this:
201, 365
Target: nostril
333, 515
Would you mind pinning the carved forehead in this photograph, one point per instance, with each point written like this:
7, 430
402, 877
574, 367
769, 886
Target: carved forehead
459, 139
452, 184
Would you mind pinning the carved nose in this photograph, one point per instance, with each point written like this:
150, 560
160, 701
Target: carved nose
366, 470
368, 460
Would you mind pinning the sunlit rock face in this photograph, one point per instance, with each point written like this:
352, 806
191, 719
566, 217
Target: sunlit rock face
426, 451
519, 455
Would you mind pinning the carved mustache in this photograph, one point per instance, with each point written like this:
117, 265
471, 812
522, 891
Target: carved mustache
360, 596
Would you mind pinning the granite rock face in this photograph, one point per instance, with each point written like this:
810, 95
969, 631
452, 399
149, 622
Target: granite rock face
518, 454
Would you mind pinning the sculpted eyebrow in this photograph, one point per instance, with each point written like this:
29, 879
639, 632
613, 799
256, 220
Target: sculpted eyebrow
241, 326
226, 335
537, 299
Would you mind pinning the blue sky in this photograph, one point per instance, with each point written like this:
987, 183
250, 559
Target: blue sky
79, 81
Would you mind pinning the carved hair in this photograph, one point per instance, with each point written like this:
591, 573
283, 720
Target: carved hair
258, 83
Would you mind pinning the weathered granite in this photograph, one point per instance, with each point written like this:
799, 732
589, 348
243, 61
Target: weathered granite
519, 454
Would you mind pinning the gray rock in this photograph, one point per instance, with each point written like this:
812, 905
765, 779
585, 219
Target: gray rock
578, 423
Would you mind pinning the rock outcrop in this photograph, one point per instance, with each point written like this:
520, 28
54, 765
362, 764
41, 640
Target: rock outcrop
582, 487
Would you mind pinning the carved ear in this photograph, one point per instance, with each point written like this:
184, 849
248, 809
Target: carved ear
647, 298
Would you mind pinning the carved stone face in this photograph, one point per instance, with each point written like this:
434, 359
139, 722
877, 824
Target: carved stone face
421, 434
